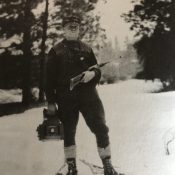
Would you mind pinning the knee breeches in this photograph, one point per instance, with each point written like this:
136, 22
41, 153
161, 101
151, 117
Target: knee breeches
94, 115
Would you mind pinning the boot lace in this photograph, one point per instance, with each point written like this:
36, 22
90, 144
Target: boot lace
109, 169
72, 168
108, 165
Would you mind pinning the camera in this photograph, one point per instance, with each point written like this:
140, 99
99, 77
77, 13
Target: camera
51, 128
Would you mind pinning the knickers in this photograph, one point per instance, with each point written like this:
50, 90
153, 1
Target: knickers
93, 113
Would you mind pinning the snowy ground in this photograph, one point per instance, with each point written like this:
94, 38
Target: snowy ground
140, 123
10, 96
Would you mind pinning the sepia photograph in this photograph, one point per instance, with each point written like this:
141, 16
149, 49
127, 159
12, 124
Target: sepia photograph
87, 87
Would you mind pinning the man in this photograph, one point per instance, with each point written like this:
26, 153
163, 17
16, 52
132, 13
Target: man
67, 59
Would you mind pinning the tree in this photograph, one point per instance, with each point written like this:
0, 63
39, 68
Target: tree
129, 65
13, 21
43, 49
110, 53
27, 43
153, 21
17, 19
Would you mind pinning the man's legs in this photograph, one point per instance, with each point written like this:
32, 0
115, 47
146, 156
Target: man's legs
94, 115
70, 116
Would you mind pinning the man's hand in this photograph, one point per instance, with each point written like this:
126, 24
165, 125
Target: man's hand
52, 109
88, 75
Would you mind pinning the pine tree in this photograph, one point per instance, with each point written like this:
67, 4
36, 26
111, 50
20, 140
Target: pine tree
17, 19
43, 50
153, 20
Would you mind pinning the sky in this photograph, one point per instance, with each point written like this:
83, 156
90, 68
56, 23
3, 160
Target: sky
111, 20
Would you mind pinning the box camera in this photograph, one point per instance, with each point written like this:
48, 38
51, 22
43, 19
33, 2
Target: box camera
51, 128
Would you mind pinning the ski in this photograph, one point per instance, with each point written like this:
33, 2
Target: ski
95, 169
61, 169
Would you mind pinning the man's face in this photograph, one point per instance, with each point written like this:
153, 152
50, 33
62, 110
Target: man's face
71, 31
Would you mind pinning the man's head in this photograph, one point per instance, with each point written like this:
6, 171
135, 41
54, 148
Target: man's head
71, 27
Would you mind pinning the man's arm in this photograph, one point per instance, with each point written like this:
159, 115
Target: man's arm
50, 84
94, 75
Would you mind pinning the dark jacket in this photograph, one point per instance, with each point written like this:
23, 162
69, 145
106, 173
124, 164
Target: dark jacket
66, 60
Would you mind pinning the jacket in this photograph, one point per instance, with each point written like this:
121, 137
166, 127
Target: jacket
66, 60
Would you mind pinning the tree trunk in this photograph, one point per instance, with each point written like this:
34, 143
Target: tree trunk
42, 54
26, 89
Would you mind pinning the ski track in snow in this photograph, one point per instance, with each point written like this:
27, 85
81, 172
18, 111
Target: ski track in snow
140, 125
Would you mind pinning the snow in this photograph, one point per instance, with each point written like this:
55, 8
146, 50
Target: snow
141, 124
10, 96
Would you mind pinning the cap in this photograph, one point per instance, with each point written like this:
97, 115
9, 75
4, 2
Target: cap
71, 19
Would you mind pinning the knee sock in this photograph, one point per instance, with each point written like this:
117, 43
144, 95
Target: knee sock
70, 152
104, 152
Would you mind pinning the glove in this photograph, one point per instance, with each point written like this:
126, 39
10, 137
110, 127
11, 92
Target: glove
52, 109
88, 75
